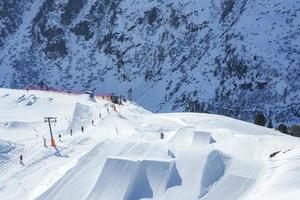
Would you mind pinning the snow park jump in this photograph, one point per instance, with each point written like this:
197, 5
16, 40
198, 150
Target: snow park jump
169, 156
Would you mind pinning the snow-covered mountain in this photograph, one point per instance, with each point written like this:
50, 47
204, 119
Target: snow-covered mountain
232, 57
122, 156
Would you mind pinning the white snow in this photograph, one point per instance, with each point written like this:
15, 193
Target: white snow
121, 156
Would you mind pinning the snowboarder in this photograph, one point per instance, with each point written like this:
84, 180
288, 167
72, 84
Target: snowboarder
162, 136
71, 132
44, 140
82, 129
21, 160
59, 136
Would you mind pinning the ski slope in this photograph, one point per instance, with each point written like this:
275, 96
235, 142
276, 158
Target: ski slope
121, 155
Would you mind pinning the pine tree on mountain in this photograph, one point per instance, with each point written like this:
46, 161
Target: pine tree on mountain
294, 130
130, 94
270, 124
260, 119
41, 84
282, 128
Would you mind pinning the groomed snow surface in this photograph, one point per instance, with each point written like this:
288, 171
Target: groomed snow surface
122, 156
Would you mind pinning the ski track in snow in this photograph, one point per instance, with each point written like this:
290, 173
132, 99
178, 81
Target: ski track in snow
121, 156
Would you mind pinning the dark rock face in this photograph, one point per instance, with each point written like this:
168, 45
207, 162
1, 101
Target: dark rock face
48, 37
10, 17
231, 57
71, 10
83, 29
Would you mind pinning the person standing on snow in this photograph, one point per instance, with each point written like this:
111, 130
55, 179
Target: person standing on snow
82, 129
44, 140
71, 132
59, 136
93, 123
21, 160
162, 135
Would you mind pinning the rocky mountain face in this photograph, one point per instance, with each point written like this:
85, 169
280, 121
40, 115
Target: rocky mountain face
232, 57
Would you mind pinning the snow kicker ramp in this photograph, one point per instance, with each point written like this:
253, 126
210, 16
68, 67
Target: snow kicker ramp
189, 136
82, 116
241, 175
199, 171
202, 138
78, 182
97, 177
132, 180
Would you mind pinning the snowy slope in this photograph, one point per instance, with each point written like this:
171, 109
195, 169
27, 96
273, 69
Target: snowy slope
202, 156
229, 57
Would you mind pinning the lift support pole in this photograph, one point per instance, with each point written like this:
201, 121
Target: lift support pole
49, 120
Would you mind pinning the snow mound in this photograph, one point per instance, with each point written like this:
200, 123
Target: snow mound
6, 147
82, 116
132, 180
16, 124
232, 181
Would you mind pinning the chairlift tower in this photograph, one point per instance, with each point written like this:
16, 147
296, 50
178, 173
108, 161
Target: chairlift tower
51, 120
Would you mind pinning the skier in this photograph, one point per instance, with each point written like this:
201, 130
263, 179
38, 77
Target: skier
82, 129
107, 110
59, 136
71, 132
44, 140
162, 135
93, 123
21, 160
100, 115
